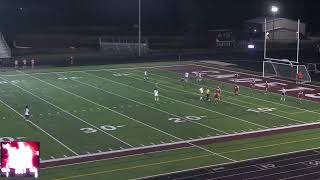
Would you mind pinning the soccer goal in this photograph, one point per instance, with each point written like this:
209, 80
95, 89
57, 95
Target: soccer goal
286, 69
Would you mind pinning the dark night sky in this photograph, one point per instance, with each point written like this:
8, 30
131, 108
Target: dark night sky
158, 15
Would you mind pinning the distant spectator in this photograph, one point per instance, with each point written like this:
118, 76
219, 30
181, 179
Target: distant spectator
16, 64
71, 60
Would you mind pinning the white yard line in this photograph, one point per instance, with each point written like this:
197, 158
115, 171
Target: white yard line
61, 109
55, 139
229, 92
195, 140
199, 107
304, 110
260, 90
228, 101
166, 112
129, 117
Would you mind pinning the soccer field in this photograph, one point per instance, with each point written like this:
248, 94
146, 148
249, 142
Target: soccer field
84, 111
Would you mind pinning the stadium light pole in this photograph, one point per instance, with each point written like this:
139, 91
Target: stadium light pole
298, 39
139, 33
274, 10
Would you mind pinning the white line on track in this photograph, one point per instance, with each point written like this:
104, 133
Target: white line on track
40, 128
157, 109
260, 169
199, 107
207, 150
61, 109
282, 172
228, 163
303, 175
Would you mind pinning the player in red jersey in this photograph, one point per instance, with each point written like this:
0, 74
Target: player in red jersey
300, 96
236, 90
218, 90
253, 83
216, 97
300, 77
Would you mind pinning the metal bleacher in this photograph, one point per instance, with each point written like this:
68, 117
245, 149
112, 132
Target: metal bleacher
5, 51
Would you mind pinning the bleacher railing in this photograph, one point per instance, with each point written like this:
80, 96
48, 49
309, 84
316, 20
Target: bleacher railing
6, 48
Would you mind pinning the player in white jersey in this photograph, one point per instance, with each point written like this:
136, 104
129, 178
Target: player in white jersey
200, 77
145, 75
186, 76
283, 94
156, 95
201, 91
26, 113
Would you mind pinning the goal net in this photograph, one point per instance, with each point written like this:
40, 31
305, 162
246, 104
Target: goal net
286, 69
312, 67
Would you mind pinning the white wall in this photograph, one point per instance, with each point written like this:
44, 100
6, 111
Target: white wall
283, 34
281, 23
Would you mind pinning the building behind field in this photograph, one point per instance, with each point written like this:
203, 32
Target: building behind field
278, 28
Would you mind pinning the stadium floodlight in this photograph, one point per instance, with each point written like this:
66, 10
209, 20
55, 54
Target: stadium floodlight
274, 9
251, 46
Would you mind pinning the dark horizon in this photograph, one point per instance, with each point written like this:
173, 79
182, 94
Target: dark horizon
157, 15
